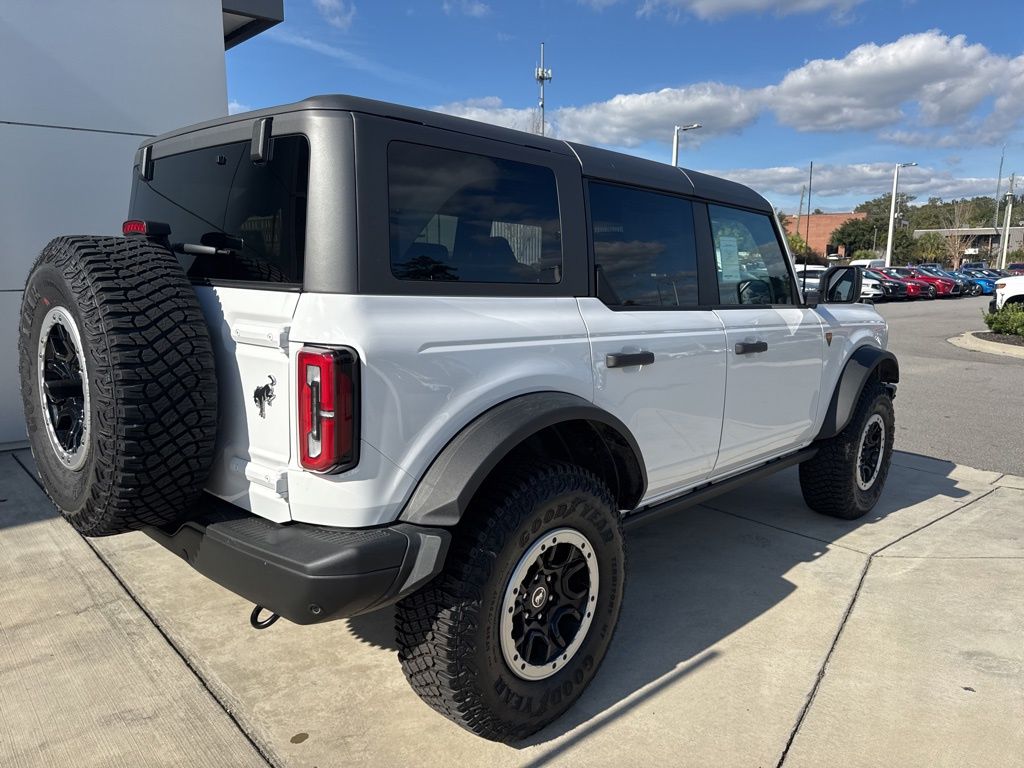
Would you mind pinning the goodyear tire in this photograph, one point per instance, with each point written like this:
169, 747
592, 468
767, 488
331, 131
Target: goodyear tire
846, 477
117, 383
510, 635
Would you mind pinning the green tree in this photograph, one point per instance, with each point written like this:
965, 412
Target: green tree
931, 246
877, 208
858, 234
902, 247
797, 245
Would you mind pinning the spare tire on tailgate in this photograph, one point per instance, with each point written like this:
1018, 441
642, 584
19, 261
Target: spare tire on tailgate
118, 383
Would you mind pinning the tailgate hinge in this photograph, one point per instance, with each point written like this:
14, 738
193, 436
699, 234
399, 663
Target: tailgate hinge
273, 336
274, 479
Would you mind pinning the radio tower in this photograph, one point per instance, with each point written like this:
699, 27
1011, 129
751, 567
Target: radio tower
541, 75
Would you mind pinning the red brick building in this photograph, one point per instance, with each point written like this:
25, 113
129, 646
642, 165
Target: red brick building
822, 225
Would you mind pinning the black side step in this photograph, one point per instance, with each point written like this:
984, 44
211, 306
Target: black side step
703, 493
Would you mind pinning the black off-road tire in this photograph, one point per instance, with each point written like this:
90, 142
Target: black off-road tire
151, 416
829, 480
449, 632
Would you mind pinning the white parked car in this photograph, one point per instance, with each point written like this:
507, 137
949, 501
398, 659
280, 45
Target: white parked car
1009, 290
349, 354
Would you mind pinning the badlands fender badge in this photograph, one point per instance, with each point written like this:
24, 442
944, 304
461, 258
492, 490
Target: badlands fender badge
264, 396
828, 340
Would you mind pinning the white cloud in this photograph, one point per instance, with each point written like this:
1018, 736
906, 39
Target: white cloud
865, 180
490, 109
719, 9
925, 89
234, 107
630, 119
473, 8
941, 79
337, 13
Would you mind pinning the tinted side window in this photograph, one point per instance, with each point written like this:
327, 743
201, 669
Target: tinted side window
751, 266
471, 218
644, 247
208, 193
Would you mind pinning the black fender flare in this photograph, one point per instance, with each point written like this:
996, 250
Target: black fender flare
858, 369
456, 474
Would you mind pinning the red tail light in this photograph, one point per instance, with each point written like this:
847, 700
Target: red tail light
147, 228
328, 409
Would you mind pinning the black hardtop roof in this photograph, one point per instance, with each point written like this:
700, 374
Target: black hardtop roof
595, 162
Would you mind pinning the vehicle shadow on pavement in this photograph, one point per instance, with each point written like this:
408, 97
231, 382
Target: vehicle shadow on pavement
18, 492
697, 577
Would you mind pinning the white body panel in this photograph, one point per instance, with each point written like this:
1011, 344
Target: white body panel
772, 397
429, 366
674, 407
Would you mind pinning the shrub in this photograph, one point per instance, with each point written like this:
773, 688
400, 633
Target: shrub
1008, 320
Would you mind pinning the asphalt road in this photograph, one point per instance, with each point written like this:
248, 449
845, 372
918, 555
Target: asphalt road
954, 404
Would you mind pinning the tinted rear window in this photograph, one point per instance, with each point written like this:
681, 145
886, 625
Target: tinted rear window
458, 216
218, 191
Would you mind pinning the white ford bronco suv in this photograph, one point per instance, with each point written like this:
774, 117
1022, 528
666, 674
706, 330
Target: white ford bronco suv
349, 354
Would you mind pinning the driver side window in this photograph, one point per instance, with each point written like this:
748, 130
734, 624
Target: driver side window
750, 262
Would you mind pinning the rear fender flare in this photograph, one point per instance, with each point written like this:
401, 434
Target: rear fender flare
863, 363
444, 492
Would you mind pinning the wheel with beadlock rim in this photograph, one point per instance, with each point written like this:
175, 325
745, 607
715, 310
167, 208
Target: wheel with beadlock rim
117, 383
846, 477
510, 635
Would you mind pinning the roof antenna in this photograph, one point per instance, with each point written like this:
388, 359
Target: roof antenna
542, 76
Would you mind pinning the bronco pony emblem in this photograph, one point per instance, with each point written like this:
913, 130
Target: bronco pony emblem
264, 396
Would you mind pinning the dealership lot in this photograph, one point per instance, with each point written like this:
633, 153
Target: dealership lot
754, 633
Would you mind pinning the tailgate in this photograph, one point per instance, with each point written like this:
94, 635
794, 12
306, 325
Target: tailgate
249, 329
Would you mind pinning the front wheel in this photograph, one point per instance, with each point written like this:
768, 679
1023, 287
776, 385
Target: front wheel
510, 635
846, 476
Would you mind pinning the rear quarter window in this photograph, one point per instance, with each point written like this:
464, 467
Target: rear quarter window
207, 194
461, 217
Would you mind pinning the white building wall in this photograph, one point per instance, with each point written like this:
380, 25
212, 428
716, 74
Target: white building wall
83, 83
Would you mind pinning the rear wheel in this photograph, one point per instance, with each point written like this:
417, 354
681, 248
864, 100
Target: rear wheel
510, 635
845, 478
117, 383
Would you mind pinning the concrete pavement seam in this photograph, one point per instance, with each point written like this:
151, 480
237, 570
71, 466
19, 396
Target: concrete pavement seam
846, 616
784, 530
264, 752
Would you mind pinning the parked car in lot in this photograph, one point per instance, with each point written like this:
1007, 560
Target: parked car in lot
893, 290
1015, 268
944, 287
965, 287
986, 284
916, 289
350, 355
1009, 290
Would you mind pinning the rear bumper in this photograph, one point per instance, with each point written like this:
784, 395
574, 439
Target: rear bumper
307, 573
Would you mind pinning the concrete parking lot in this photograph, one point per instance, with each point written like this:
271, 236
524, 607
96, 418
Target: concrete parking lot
755, 633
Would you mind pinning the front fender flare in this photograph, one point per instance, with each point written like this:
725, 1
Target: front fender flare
858, 369
450, 482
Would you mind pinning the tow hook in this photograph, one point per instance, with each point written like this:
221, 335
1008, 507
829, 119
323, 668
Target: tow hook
257, 622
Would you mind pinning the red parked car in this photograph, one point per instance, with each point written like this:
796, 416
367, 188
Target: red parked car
916, 289
1017, 268
943, 286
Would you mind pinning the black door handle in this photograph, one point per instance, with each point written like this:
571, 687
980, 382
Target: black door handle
749, 347
623, 359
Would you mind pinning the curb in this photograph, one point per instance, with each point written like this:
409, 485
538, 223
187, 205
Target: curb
968, 340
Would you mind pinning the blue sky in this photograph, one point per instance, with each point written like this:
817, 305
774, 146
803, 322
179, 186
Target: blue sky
854, 85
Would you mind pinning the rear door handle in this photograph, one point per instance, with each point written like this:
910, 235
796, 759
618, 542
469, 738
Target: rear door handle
749, 347
624, 359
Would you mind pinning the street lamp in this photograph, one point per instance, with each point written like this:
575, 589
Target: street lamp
675, 139
892, 210
1006, 227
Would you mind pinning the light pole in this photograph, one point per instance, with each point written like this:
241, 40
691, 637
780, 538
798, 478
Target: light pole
892, 210
675, 139
1006, 227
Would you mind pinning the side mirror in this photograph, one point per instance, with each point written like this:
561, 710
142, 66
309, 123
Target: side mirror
840, 285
